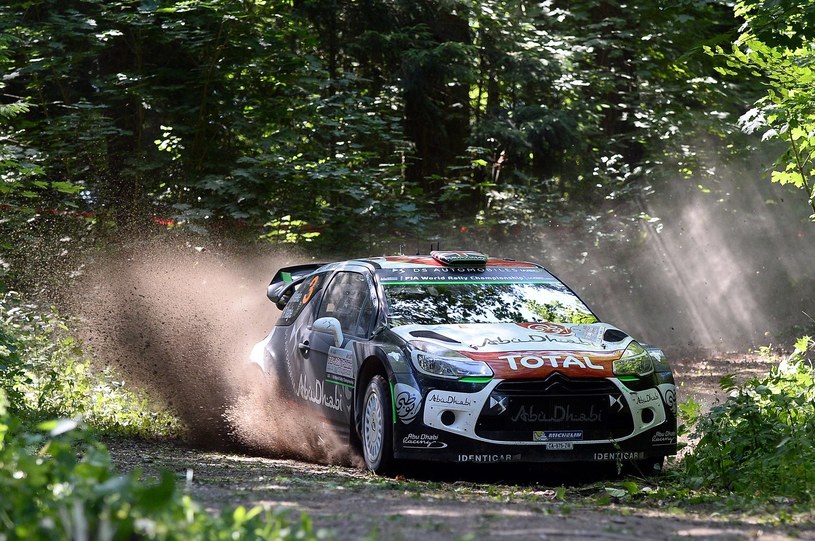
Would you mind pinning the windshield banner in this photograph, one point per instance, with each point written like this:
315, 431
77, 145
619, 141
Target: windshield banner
413, 275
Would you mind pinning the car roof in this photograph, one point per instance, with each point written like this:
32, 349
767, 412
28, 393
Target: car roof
411, 261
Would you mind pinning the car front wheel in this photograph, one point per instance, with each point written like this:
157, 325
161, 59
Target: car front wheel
377, 431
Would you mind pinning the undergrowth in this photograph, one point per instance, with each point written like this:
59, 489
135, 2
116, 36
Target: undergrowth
758, 446
58, 482
46, 375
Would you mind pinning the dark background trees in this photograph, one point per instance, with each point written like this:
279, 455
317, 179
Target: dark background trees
321, 118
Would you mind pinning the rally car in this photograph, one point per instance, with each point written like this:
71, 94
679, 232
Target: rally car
454, 356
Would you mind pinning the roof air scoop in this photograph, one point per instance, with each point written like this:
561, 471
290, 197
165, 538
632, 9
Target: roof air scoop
458, 259
614, 335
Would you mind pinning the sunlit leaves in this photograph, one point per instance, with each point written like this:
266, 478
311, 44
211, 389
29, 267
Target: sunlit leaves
774, 47
788, 177
763, 430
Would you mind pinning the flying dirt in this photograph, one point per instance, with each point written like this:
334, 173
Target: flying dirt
180, 321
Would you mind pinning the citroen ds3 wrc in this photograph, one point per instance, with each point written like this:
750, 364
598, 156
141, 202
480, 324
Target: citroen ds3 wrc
457, 357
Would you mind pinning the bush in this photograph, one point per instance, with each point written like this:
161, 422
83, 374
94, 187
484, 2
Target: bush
57, 483
760, 443
45, 374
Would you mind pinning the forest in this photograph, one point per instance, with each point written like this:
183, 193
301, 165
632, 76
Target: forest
340, 128
311, 120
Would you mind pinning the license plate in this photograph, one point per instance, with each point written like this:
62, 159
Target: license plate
559, 446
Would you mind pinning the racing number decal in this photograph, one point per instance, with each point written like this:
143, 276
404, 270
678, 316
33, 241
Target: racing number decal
311, 288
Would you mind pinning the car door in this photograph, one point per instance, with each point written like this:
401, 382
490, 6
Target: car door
332, 367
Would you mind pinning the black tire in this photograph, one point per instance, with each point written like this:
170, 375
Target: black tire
377, 427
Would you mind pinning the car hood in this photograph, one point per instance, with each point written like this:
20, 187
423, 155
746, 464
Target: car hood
529, 350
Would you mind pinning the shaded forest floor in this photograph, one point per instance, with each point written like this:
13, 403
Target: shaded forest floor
439, 503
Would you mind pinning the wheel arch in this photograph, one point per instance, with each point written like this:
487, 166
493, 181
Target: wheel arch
371, 367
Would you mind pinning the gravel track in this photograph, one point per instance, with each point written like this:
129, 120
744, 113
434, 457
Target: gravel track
442, 502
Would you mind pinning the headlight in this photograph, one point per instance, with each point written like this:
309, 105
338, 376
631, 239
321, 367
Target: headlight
441, 362
634, 362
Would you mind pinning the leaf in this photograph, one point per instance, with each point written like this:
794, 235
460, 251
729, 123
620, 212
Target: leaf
631, 487
786, 177
727, 382
802, 344
66, 187
158, 496
616, 492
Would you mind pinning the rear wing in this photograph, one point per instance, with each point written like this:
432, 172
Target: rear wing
294, 273
282, 285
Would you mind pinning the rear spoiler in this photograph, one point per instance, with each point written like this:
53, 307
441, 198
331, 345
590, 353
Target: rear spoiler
288, 276
295, 272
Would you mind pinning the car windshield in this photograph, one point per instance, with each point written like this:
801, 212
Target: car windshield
453, 303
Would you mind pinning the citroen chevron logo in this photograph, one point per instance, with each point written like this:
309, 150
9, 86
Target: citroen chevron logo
501, 402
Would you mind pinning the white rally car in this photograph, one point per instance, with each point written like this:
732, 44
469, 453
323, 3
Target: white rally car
458, 357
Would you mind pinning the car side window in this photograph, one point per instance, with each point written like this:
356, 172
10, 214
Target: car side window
300, 298
348, 299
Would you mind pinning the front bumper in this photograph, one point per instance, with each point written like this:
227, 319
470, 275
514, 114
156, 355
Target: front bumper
552, 420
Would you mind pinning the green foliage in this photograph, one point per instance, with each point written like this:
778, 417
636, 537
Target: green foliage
59, 483
347, 116
775, 47
759, 442
45, 375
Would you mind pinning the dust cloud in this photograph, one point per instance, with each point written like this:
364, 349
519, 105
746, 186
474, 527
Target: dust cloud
726, 268
180, 320
708, 268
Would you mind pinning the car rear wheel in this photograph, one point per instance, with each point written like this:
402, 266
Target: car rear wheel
377, 431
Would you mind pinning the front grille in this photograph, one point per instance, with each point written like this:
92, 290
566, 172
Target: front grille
593, 408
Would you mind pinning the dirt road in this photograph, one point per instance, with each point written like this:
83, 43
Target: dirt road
441, 503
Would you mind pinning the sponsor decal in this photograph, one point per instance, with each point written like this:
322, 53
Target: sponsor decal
422, 441
646, 397
559, 414
340, 366
314, 392
557, 435
408, 402
464, 274
668, 437
528, 339
487, 458
555, 361
620, 455
540, 363
668, 391
449, 399
549, 328
589, 333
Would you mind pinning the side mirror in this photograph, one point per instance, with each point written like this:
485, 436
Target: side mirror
330, 325
280, 293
